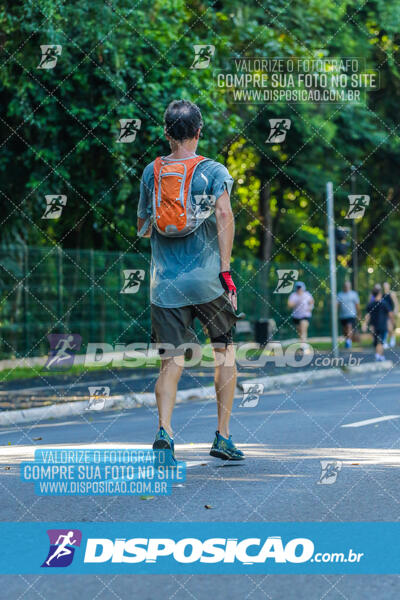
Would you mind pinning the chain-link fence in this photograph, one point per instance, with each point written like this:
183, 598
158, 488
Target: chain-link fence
104, 297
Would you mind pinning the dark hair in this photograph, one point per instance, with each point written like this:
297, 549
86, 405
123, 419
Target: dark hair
182, 120
376, 290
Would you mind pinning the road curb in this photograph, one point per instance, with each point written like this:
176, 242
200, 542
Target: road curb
129, 401
277, 381
121, 402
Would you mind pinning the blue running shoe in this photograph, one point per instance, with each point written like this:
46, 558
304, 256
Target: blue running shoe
225, 449
164, 442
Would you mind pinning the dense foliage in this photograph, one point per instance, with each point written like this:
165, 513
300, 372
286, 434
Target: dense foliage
123, 59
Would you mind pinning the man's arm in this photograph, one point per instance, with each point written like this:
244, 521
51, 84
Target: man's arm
140, 223
226, 233
367, 318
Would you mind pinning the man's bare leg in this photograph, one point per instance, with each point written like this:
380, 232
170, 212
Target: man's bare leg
303, 327
225, 385
348, 331
166, 388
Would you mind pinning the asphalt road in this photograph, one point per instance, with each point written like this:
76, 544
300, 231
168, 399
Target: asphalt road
284, 437
64, 387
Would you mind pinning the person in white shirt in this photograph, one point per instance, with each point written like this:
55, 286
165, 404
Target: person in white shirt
349, 310
302, 304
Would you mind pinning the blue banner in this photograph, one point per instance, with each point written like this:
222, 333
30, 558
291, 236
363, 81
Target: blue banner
211, 547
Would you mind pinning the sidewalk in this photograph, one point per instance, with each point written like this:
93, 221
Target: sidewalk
130, 388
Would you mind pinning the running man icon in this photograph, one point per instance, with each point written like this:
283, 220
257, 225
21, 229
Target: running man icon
54, 206
329, 471
286, 280
50, 54
203, 55
132, 280
128, 130
357, 206
62, 349
279, 129
62, 547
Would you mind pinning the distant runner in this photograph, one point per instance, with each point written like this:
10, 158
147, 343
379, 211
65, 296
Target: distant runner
302, 303
378, 312
349, 309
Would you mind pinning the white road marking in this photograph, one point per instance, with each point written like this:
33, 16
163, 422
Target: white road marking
371, 421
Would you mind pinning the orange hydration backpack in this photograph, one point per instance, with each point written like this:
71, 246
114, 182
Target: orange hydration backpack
173, 212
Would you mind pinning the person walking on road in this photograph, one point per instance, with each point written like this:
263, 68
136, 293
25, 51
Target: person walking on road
378, 312
190, 267
393, 302
302, 304
349, 310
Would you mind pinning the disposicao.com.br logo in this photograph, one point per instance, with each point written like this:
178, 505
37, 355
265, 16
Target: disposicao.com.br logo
247, 551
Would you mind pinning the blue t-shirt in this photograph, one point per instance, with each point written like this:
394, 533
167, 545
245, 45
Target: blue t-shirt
348, 304
184, 271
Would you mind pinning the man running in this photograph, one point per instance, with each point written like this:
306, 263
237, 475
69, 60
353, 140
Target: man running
302, 303
190, 273
349, 308
378, 312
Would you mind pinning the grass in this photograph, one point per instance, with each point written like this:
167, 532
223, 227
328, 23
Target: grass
21, 373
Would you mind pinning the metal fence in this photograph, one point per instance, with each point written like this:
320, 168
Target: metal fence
52, 290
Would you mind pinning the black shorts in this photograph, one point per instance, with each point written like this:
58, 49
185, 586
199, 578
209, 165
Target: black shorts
348, 321
379, 336
174, 326
297, 321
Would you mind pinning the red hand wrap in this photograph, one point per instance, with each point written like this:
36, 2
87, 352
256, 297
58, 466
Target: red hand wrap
227, 282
